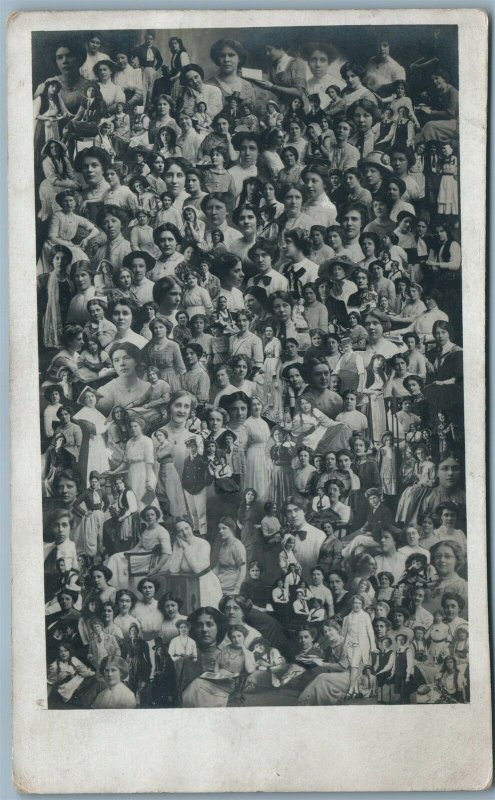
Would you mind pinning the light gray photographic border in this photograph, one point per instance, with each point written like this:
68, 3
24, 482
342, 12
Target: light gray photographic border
6, 8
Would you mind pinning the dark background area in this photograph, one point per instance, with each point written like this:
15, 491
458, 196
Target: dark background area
357, 43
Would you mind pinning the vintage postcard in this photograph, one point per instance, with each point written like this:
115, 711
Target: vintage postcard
247, 287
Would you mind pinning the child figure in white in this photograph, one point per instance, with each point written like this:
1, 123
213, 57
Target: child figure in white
182, 646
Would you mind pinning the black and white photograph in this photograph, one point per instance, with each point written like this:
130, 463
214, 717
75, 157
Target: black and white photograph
248, 398
249, 267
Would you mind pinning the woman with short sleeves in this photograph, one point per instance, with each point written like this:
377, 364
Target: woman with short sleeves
229, 55
230, 566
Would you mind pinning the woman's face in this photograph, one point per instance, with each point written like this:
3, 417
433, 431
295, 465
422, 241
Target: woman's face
82, 279
282, 309
333, 492
170, 609
167, 243
104, 73
335, 240
228, 61
111, 674
247, 222
194, 80
190, 357
238, 412
123, 364
242, 323
222, 126
122, 317
387, 542
368, 247
175, 179
63, 653
225, 532
206, 630
92, 171
295, 131
66, 60
233, 612
451, 609
318, 63
67, 490
99, 579
125, 604
445, 561
150, 517
148, 590
274, 53
400, 367
289, 158
336, 584
180, 410
256, 407
125, 279
399, 163
412, 537
449, 473
215, 421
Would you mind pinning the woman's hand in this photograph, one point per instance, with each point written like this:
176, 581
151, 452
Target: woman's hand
149, 486
263, 83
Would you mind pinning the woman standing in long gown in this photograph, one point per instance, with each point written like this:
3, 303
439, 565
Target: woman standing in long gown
140, 459
258, 468
93, 455
168, 487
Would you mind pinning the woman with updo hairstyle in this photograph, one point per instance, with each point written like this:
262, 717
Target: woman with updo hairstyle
180, 59
228, 268
112, 219
354, 90
191, 553
230, 56
293, 197
167, 294
168, 239
125, 600
174, 174
123, 312
180, 408
238, 407
281, 304
163, 353
170, 605
448, 558
220, 136
208, 629
444, 388
127, 387
114, 670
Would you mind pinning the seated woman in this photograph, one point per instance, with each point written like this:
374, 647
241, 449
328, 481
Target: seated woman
148, 556
191, 555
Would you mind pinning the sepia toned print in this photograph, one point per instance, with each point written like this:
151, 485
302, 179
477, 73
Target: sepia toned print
251, 367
